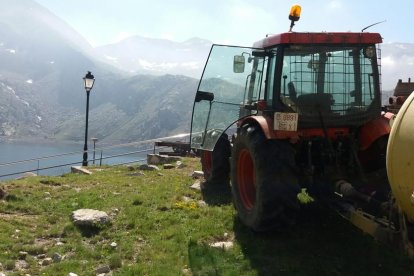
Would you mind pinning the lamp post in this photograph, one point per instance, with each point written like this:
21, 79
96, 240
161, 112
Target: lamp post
88, 81
94, 142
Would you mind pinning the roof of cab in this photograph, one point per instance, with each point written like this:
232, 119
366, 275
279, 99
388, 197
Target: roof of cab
319, 38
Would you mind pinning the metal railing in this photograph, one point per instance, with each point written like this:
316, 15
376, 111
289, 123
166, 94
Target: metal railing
120, 154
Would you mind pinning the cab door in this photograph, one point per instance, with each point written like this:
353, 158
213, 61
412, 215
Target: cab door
231, 84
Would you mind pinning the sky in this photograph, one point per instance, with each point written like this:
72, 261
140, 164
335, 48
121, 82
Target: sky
235, 22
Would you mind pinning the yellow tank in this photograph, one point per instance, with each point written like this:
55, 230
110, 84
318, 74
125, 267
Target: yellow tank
400, 157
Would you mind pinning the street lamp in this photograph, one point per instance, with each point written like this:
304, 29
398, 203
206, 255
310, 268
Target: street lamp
88, 81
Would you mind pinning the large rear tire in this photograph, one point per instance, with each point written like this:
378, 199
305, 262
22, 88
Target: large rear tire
264, 184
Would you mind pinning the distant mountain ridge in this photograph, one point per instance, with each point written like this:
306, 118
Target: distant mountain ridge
140, 55
42, 64
144, 87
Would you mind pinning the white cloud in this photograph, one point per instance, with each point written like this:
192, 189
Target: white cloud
29, 81
121, 36
191, 65
387, 61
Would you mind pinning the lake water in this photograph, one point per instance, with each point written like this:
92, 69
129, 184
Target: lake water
63, 153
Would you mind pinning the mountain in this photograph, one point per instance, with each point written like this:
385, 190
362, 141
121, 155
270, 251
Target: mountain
140, 55
143, 107
144, 87
42, 64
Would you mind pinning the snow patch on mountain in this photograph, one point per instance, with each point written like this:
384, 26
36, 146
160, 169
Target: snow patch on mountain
13, 92
158, 56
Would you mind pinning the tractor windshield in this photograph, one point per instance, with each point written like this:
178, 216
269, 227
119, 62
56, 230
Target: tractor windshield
337, 82
232, 79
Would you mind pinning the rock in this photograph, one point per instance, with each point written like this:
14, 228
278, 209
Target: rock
41, 256
198, 174
27, 175
153, 168
154, 159
2, 274
186, 199
21, 265
57, 257
196, 186
114, 244
223, 244
201, 203
157, 159
72, 274
90, 217
80, 170
103, 269
130, 168
23, 255
180, 165
168, 166
146, 167
46, 261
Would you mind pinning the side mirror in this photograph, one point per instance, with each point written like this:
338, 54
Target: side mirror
238, 64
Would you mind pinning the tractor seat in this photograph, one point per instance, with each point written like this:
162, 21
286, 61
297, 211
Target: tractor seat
312, 104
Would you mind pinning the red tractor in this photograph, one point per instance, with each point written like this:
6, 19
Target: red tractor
305, 112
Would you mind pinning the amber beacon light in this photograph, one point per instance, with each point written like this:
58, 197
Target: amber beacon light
294, 15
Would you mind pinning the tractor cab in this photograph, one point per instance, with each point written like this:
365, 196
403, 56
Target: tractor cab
289, 83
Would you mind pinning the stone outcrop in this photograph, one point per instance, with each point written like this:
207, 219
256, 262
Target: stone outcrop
90, 217
80, 170
157, 159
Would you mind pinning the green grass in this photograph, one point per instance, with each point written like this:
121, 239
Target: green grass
160, 229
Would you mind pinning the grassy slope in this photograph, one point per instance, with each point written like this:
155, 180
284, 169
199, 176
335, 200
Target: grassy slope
159, 233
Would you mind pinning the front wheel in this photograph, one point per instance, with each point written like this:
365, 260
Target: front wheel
215, 164
264, 185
